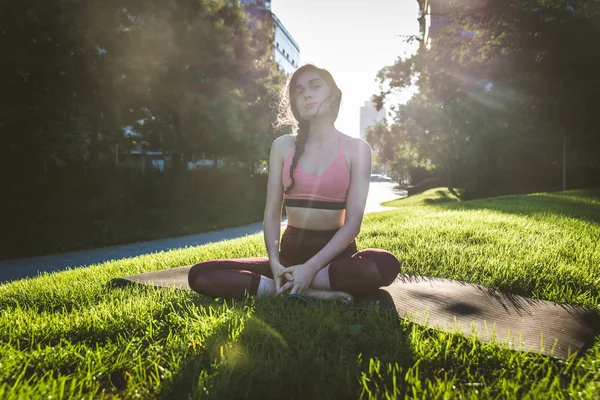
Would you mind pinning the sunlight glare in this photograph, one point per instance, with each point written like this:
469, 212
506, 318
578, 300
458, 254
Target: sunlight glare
353, 40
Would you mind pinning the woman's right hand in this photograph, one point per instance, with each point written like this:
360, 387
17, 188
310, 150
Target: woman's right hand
280, 280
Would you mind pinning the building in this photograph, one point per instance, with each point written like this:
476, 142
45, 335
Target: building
369, 116
433, 18
285, 49
427, 8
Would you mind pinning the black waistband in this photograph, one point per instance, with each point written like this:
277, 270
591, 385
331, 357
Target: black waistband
326, 205
294, 231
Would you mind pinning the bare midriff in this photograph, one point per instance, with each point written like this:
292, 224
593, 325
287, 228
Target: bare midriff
315, 219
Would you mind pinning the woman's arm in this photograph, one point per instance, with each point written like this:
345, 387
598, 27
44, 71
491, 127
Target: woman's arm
272, 217
360, 178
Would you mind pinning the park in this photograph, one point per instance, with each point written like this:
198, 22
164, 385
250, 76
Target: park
133, 153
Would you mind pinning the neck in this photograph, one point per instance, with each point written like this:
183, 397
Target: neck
321, 130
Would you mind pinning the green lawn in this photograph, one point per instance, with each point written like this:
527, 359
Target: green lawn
70, 335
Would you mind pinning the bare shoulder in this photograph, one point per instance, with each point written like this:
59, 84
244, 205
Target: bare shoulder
358, 146
283, 144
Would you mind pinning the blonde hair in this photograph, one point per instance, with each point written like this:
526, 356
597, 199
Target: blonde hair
285, 116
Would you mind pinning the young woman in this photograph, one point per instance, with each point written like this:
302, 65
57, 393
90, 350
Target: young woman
322, 176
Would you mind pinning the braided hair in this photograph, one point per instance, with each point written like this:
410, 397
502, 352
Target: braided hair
287, 107
303, 127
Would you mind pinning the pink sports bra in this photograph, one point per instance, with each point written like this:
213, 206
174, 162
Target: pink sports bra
328, 190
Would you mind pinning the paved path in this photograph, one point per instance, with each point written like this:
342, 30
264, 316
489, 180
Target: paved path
27, 267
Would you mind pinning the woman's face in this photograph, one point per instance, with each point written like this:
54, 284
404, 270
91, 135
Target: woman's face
309, 92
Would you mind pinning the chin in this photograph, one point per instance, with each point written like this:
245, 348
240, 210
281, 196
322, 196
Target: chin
309, 115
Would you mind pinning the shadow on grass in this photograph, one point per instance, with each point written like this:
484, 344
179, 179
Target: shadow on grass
289, 350
583, 205
442, 197
294, 351
273, 348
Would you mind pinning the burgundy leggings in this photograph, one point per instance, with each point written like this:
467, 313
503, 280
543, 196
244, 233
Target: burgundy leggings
354, 272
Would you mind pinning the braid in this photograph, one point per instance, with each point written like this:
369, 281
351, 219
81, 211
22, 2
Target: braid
303, 127
289, 115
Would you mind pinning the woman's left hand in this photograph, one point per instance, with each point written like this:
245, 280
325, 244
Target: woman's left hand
303, 277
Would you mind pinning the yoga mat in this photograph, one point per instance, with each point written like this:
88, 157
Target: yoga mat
519, 322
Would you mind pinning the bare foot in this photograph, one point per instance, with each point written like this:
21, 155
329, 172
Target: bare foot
329, 295
266, 287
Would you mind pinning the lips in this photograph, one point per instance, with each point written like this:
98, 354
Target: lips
309, 105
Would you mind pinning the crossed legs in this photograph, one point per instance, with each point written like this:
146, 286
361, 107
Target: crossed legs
363, 272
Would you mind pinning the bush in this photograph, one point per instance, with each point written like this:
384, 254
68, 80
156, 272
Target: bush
527, 179
111, 206
420, 174
423, 186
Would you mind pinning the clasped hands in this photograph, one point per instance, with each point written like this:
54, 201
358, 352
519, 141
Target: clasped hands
292, 280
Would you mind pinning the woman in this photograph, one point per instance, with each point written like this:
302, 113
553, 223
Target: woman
322, 176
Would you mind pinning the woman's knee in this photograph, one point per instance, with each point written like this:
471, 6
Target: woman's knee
386, 262
196, 274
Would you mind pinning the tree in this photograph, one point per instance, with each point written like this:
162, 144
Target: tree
501, 82
189, 75
210, 92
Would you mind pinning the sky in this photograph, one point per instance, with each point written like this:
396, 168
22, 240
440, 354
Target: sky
353, 39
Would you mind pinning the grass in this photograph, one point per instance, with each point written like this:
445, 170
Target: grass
70, 335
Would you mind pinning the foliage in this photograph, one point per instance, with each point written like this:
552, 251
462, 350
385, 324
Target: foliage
188, 76
84, 82
89, 211
500, 84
